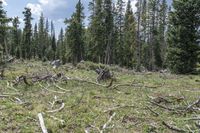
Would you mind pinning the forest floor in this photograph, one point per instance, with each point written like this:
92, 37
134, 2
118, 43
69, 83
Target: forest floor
134, 103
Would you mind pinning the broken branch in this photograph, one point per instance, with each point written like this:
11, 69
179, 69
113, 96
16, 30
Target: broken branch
173, 128
42, 125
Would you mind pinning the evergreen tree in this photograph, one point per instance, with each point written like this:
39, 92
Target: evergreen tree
138, 13
119, 31
75, 34
53, 42
15, 38
4, 20
27, 34
95, 48
41, 36
129, 51
108, 33
36, 46
183, 36
61, 48
162, 31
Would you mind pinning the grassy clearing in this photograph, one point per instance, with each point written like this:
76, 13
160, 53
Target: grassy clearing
88, 104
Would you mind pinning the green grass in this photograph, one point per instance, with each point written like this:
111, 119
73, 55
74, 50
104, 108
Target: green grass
86, 103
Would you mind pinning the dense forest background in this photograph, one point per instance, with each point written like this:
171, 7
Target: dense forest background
156, 37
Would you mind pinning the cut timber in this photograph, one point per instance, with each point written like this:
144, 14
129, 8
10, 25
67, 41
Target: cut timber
42, 125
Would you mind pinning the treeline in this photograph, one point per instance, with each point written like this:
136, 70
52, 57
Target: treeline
155, 37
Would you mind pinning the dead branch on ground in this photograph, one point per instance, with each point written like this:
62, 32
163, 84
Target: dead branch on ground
46, 88
108, 122
191, 106
19, 79
57, 110
156, 114
173, 127
162, 106
118, 107
42, 125
57, 119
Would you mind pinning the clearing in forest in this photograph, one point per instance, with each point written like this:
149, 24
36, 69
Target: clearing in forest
70, 100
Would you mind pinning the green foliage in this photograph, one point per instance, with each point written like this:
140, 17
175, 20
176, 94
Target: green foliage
27, 35
183, 35
113, 36
118, 14
129, 48
75, 34
95, 37
15, 49
4, 20
41, 37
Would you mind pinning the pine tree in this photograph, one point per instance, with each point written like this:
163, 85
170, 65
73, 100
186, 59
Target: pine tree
162, 30
4, 20
129, 51
138, 13
27, 34
75, 34
144, 34
183, 36
108, 33
61, 47
95, 46
36, 46
41, 36
15, 38
53, 41
119, 12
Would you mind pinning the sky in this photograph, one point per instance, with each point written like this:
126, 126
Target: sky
55, 10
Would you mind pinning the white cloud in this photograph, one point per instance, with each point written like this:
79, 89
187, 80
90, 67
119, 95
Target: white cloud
36, 9
48, 7
4, 2
44, 2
